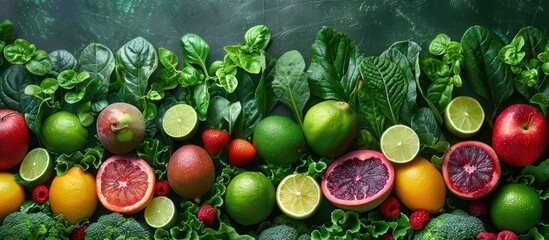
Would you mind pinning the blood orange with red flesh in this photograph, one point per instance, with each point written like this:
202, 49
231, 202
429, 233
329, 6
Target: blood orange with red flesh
471, 169
359, 180
125, 184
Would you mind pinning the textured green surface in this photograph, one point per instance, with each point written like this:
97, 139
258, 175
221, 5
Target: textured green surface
373, 24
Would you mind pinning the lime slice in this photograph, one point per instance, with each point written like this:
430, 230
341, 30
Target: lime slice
399, 144
36, 167
180, 122
298, 196
160, 213
463, 116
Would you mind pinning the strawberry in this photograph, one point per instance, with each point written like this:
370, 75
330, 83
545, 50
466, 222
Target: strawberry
478, 207
162, 188
390, 207
206, 214
214, 140
40, 194
241, 152
419, 219
79, 233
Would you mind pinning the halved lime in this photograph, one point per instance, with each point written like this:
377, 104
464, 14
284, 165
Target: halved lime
463, 116
180, 122
160, 213
298, 196
399, 143
36, 167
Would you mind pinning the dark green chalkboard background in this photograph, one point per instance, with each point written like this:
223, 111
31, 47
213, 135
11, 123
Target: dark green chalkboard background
373, 24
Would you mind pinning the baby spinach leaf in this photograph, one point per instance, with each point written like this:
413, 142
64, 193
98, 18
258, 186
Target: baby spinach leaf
439, 45
542, 101
135, 62
434, 68
19, 52
485, 73
201, 98
168, 58
386, 84
98, 61
13, 82
250, 115
258, 37
40, 63
245, 57
334, 66
290, 83
7, 33
190, 76
214, 119
61, 60
265, 97
231, 113
195, 50
226, 76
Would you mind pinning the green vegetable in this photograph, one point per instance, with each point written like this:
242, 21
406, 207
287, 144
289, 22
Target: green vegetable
454, 225
22, 225
279, 232
116, 226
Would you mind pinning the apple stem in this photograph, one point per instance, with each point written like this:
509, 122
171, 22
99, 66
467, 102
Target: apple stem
118, 129
529, 120
7, 115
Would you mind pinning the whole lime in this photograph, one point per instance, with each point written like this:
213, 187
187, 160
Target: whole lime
63, 133
330, 127
516, 207
279, 140
250, 198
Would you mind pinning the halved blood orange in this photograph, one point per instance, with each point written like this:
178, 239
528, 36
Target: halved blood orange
471, 169
125, 184
359, 180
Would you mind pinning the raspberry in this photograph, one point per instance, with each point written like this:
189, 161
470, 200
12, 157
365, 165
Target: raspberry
206, 214
507, 235
419, 219
40, 194
79, 233
387, 236
162, 188
478, 207
486, 236
390, 207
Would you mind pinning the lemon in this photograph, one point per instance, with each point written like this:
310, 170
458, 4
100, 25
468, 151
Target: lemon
298, 196
399, 143
463, 116
180, 122
12, 195
279, 140
63, 133
36, 167
160, 213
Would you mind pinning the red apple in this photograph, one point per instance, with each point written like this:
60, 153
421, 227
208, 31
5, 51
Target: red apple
120, 127
14, 138
521, 134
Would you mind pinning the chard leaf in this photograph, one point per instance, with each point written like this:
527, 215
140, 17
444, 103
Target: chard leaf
61, 60
98, 61
265, 97
290, 83
135, 62
334, 67
386, 84
485, 72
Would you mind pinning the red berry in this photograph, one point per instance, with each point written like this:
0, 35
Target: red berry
79, 233
241, 152
214, 140
387, 236
507, 235
486, 236
206, 214
419, 219
162, 188
390, 207
40, 194
478, 207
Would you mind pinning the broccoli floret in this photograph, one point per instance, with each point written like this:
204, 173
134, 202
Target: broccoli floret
116, 226
454, 225
304, 236
279, 232
22, 225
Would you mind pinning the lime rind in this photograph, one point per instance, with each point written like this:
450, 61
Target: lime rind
399, 144
298, 196
180, 122
464, 116
36, 167
160, 213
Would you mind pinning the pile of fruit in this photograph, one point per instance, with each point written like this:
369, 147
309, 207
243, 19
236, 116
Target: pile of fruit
448, 143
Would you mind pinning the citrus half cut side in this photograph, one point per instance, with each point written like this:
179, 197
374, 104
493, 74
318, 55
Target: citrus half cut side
464, 116
298, 196
160, 213
180, 122
399, 143
36, 167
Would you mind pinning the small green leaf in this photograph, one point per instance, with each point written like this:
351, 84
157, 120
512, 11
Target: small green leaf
49, 86
258, 37
190, 76
434, 68
167, 78
33, 90
195, 49
7, 33
542, 101
440, 93
149, 110
19, 52
167, 58
86, 118
73, 97
40, 63
67, 79
201, 97
439, 44
544, 57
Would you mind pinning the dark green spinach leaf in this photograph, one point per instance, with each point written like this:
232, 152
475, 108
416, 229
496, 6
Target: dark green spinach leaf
19, 52
195, 50
61, 60
40, 63
98, 61
265, 97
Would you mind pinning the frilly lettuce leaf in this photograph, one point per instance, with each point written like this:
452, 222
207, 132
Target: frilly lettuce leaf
306, 165
540, 172
91, 157
156, 155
